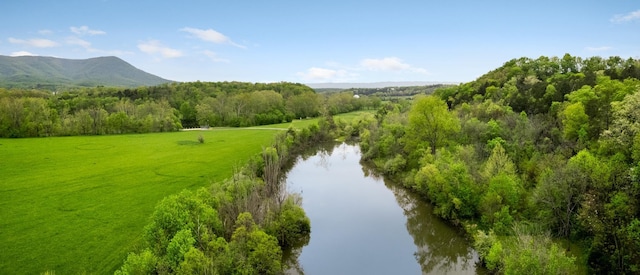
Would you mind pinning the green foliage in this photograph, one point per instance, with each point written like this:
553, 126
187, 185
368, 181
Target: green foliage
195, 262
395, 165
163, 108
551, 142
499, 162
254, 251
291, 226
139, 264
523, 253
493, 258
430, 120
575, 121
238, 226
445, 180
503, 194
184, 212
180, 244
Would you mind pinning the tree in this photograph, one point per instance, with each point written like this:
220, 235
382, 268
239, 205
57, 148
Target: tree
430, 120
180, 244
188, 113
254, 251
139, 264
304, 105
206, 114
626, 121
576, 122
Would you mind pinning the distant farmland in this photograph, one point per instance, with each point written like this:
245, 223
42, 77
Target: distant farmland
78, 204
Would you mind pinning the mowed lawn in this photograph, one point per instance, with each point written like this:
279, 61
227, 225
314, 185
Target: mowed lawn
77, 205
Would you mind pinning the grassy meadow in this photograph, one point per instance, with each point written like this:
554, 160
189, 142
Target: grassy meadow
76, 205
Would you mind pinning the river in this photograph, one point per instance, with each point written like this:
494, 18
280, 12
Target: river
362, 224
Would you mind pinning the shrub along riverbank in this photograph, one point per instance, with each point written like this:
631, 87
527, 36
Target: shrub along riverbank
238, 226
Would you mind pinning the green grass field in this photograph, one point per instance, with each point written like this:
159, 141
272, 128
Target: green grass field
79, 204
75, 205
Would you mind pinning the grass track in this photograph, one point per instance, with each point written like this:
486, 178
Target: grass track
79, 204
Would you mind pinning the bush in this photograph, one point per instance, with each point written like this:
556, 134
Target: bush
291, 226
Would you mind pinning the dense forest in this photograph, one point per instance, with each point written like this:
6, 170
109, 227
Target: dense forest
166, 107
537, 160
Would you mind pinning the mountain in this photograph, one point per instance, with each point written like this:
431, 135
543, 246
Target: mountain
53, 73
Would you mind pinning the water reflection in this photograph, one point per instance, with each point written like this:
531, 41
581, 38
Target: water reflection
440, 250
362, 224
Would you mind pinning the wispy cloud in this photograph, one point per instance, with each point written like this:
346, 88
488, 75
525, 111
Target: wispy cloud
389, 64
45, 32
154, 47
214, 57
75, 41
35, 42
342, 73
79, 42
322, 74
599, 49
622, 18
22, 53
211, 35
84, 30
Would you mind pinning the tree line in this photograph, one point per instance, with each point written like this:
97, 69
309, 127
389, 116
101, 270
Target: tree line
166, 107
536, 151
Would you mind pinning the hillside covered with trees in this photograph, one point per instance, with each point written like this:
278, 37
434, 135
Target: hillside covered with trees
537, 160
165, 107
44, 72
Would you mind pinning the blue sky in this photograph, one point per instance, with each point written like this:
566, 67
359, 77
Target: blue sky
319, 41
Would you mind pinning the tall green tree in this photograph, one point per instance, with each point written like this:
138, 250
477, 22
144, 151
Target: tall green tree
430, 120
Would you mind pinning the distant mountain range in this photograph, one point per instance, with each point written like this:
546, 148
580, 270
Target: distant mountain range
373, 84
54, 73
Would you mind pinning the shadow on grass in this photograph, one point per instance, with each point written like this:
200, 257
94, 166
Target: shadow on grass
188, 142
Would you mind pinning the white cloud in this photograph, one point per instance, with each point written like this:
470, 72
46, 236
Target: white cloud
599, 49
22, 53
154, 47
211, 35
35, 42
214, 56
84, 30
321, 74
45, 32
87, 46
621, 18
79, 42
384, 64
389, 64
341, 73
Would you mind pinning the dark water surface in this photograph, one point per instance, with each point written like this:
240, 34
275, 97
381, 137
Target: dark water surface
361, 224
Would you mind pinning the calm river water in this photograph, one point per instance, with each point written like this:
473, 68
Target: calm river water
361, 224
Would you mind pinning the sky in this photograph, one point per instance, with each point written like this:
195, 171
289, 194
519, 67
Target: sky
319, 41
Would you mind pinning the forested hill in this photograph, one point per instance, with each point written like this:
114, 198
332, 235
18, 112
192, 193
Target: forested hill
54, 73
532, 85
528, 158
